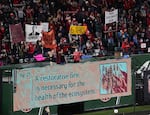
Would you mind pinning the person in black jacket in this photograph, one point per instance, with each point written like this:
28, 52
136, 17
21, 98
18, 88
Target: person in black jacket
38, 48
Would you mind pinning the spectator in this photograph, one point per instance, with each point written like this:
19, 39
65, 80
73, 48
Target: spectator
2, 31
60, 57
148, 33
110, 39
23, 51
51, 57
4, 56
89, 47
31, 49
29, 14
135, 41
76, 56
98, 26
38, 48
15, 52
134, 20
126, 46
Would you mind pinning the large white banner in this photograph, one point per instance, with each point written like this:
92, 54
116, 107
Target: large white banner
111, 16
54, 85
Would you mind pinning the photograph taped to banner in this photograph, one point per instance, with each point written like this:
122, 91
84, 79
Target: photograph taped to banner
115, 80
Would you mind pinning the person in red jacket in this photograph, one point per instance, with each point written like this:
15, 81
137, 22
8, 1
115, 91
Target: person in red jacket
126, 46
128, 4
31, 48
16, 1
76, 56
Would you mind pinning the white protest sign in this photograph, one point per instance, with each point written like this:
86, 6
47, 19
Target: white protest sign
33, 32
111, 16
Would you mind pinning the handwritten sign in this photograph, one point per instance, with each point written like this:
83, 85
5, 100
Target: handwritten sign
77, 30
111, 16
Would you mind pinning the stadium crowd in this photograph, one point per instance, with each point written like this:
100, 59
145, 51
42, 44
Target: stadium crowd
131, 34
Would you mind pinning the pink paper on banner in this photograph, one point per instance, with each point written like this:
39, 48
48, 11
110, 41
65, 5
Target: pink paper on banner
39, 57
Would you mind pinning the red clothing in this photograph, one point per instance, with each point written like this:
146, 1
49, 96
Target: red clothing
31, 49
60, 55
65, 48
125, 46
16, 1
128, 4
67, 26
110, 2
58, 59
148, 19
29, 13
2, 31
76, 56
